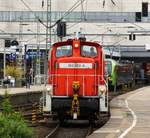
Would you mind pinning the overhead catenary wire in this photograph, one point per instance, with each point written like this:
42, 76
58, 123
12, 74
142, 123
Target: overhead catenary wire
83, 14
111, 2
28, 7
69, 11
73, 25
75, 5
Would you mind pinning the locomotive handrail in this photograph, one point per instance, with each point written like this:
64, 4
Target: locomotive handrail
67, 86
76, 75
83, 87
99, 80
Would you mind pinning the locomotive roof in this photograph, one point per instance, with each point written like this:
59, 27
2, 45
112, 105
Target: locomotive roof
70, 42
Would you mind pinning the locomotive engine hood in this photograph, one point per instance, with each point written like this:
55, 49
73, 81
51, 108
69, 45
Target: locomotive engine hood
77, 69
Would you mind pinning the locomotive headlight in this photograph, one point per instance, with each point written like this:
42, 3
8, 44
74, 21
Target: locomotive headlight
101, 89
76, 45
49, 89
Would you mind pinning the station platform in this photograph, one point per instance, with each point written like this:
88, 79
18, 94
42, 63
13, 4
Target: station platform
130, 116
22, 90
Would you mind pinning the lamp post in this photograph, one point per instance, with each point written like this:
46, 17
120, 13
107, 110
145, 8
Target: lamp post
36, 35
48, 38
38, 56
4, 62
22, 44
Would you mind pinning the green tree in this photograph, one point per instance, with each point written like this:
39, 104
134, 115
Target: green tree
12, 124
14, 72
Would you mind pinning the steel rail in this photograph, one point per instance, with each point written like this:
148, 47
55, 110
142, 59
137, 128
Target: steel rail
53, 132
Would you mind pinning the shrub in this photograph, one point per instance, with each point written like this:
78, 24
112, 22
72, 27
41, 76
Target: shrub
12, 124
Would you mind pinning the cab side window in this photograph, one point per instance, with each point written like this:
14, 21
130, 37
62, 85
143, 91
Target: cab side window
88, 51
64, 51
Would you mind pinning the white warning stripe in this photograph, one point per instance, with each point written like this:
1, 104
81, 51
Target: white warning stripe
116, 117
133, 123
107, 131
141, 132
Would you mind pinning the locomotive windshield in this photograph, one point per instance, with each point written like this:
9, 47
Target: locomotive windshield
88, 51
64, 51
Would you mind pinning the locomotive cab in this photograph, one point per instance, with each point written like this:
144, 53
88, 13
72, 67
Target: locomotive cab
76, 76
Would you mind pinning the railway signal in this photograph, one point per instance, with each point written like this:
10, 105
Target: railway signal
9, 42
132, 37
61, 29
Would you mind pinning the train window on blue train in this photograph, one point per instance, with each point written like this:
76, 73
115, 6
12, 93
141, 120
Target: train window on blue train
88, 51
62, 51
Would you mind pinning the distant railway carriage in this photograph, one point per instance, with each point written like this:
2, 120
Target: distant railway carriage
111, 71
78, 88
118, 73
147, 72
138, 72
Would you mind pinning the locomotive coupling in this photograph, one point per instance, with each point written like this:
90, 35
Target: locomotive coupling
76, 86
75, 109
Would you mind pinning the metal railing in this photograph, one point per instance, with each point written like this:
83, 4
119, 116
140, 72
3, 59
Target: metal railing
97, 80
40, 79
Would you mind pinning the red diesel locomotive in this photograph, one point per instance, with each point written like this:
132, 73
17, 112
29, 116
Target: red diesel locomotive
77, 85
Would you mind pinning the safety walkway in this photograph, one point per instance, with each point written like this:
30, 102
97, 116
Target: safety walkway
130, 116
13, 90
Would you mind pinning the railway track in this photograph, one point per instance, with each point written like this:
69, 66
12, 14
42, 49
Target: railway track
90, 130
72, 129
53, 132
25, 107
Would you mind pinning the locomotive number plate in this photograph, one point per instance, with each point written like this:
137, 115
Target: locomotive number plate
76, 65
